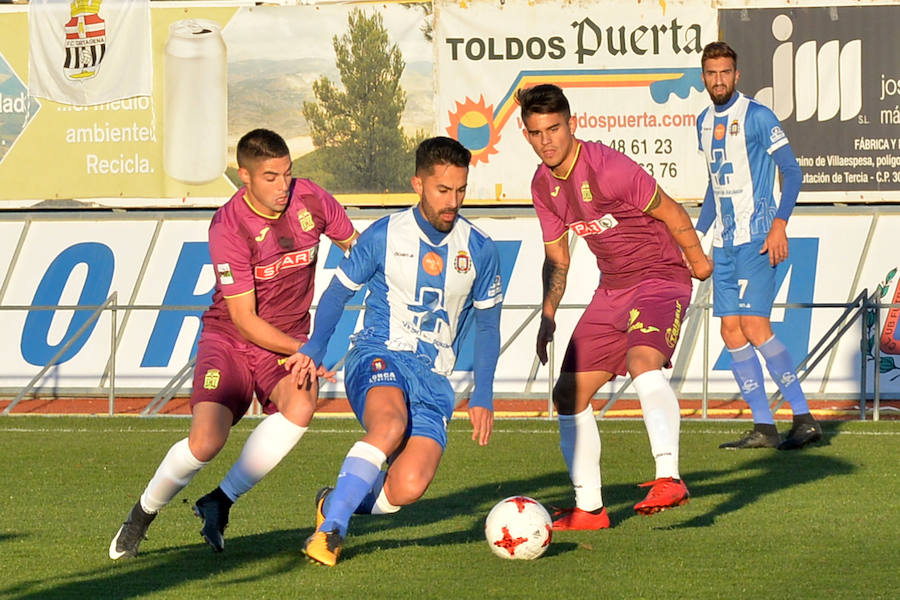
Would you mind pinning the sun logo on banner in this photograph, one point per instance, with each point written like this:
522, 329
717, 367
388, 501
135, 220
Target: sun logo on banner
473, 125
477, 126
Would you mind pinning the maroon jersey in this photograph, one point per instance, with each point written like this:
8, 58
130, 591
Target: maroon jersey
273, 257
602, 198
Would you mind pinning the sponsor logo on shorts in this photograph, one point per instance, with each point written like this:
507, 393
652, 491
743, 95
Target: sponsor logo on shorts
306, 220
433, 263
634, 324
387, 377
378, 364
463, 262
674, 331
300, 258
211, 379
224, 271
597, 226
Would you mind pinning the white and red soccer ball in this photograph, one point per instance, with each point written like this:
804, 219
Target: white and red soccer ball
518, 528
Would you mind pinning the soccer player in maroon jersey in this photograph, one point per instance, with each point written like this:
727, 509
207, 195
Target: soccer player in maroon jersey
263, 244
647, 250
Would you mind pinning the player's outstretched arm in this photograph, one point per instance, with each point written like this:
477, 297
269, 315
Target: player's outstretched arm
553, 278
307, 361
677, 220
255, 329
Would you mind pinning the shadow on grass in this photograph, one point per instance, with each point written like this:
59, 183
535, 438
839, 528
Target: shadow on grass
754, 475
278, 552
155, 571
764, 472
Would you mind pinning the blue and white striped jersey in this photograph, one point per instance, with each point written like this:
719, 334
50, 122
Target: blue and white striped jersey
738, 140
420, 294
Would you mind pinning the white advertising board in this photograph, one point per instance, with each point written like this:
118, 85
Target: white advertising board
164, 263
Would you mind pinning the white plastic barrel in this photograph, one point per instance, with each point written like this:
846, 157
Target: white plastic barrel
195, 109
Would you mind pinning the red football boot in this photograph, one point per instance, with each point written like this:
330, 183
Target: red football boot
571, 519
666, 492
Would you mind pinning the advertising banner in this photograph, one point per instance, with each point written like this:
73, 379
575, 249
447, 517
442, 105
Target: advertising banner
832, 76
162, 267
218, 71
631, 72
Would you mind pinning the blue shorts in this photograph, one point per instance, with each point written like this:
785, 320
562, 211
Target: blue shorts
743, 281
429, 396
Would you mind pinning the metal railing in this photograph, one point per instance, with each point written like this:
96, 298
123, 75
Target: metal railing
861, 307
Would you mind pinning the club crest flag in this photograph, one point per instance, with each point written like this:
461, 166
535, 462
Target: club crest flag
89, 51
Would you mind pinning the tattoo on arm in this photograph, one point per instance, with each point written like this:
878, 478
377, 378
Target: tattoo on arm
654, 203
554, 280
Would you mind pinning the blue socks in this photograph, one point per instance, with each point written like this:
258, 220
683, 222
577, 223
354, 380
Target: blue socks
781, 368
360, 470
368, 503
748, 373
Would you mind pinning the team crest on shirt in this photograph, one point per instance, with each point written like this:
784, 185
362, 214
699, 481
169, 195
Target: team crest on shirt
432, 263
735, 128
586, 195
211, 379
306, 220
674, 331
463, 262
225, 276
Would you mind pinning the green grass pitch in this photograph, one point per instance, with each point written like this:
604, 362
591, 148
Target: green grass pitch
816, 523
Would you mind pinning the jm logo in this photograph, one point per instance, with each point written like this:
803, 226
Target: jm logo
827, 79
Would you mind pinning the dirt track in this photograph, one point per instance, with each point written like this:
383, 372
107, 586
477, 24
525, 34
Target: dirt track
506, 408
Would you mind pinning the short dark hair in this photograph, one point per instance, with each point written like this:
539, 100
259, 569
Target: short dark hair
543, 99
260, 144
718, 50
441, 150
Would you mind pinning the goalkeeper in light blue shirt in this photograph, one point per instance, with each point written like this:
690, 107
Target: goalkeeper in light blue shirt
742, 141
431, 275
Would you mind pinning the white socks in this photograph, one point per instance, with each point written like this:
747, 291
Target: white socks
174, 472
662, 417
267, 445
579, 441
383, 506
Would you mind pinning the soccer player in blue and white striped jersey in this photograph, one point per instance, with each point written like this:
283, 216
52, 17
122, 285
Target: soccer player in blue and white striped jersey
429, 271
743, 141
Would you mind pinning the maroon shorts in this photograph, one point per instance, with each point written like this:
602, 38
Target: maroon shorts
647, 314
230, 374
